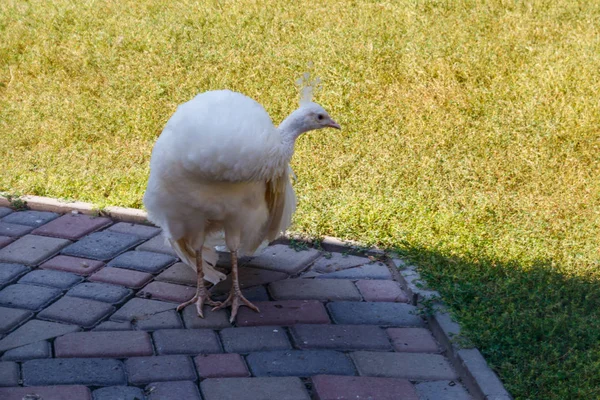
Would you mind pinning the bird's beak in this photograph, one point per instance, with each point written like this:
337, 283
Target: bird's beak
333, 124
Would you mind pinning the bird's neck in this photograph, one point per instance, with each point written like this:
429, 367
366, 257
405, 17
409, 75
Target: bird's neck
289, 130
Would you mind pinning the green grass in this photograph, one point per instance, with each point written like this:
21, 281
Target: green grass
471, 139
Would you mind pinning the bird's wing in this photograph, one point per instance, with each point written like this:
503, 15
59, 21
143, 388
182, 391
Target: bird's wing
281, 201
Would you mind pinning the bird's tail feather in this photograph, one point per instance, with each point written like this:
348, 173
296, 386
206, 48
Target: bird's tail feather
209, 259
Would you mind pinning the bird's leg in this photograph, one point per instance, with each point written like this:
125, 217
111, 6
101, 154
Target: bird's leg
202, 296
235, 296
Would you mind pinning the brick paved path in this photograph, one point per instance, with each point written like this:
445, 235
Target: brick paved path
87, 311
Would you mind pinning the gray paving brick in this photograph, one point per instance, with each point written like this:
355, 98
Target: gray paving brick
4, 211
167, 292
369, 271
41, 349
442, 390
380, 313
283, 313
164, 320
143, 231
10, 272
74, 371
157, 245
255, 338
413, 340
331, 387
287, 388
212, 319
34, 331
332, 262
9, 373
173, 391
186, 341
340, 337
381, 290
312, 289
73, 310
104, 292
70, 392
31, 218
413, 366
10, 318
32, 250
119, 393
114, 326
179, 273
101, 245
143, 370
254, 293
144, 261
56, 279
283, 258
299, 363
249, 277
72, 226
28, 297
138, 309
109, 344
221, 366
14, 230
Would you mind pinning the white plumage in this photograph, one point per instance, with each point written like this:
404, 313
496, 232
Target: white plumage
220, 175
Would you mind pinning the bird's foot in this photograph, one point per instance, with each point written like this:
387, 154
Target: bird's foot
234, 299
200, 298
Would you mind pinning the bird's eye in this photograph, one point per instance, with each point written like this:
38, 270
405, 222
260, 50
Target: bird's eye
320, 117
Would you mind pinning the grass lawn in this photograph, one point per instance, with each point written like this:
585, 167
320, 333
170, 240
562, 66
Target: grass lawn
471, 139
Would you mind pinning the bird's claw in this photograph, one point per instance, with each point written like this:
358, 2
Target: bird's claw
234, 299
200, 299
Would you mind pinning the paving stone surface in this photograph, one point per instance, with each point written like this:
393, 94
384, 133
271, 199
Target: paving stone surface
10, 318
34, 331
124, 277
101, 317
73, 310
143, 231
331, 387
254, 338
117, 344
28, 297
286, 388
76, 265
14, 230
32, 249
299, 363
173, 391
72, 226
41, 349
283, 258
314, 289
10, 272
4, 211
143, 370
144, 261
102, 246
74, 371
340, 337
220, 366
104, 292
186, 341
31, 218
119, 393
55, 279
370, 313
66, 392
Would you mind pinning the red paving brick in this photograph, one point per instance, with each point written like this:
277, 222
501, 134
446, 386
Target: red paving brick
72, 226
123, 277
287, 312
381, 290
75, 265
221, 366
5, 240
113, 344
167, 292
331, 387
71, 392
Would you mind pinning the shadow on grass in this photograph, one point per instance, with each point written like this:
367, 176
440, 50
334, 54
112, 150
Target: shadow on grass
538, 327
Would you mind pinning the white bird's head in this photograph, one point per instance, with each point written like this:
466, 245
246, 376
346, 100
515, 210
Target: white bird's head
309, 117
